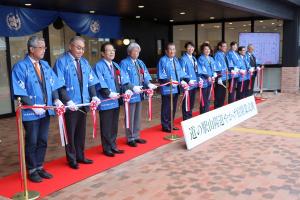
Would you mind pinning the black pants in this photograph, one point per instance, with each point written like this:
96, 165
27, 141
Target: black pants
36, 137
242, 92
188, 114
250, 91
231, 95
76, 131
109, 120
165, 115
220, 95
205, 97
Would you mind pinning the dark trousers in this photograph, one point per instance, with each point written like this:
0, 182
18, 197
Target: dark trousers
76, 130
242, 92
231, 96
205, 97
220, 95
165, 115
250, 91
36, 137
109, 120
188, 114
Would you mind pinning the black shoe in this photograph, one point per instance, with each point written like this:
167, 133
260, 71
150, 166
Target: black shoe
141, 141
109, 153
132, 143
35, 177
44, 174
175, 128
166, 130
85, 161
118, 151
73, 165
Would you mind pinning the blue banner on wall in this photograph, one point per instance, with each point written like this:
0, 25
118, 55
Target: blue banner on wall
93, 25
24, 21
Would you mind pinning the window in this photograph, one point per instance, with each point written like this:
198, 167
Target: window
233, 29
5, 101
181, 35
211, 33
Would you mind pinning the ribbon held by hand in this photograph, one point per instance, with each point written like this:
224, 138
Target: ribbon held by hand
127, 112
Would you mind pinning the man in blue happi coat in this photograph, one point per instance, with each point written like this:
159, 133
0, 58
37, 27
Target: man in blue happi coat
36, 84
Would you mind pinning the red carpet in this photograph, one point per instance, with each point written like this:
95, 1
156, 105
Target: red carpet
65, 176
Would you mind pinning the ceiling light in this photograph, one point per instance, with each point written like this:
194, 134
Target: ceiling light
211, 17
279, 24
216, 26
275, 29
249, 24
181, 29
155, 19
182, 13
231, 28
264, 27
202, 25
244, 25
272, 23
126, 41
27, 4
141, 6
261, 21
171, 20
137, 16
92, 11
230, 23
245, 30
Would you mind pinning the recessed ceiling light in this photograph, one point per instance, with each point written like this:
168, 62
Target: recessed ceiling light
249, 24
279, 24
182, 13
261, 21
181, 29
216, 26
230, 23
244, 25
27, 4
171, 20
272, 23
92, 11
202, 25
275, 29
126, 41
211, 17
231, 28
245, 30
137, 16
141, 6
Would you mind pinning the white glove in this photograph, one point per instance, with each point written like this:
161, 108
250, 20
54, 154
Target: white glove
38, 111
152, 86
72, 105
220, 82
215, 75
200, 83
258, 69
242, 71
192, 82
58, 103
137, 89
113, 95
233, 72
129, 92
251, 69
184, 84
97, 100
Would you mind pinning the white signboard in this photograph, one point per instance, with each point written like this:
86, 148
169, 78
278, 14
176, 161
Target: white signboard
266, 46
205, 126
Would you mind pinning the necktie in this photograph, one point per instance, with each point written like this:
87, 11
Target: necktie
195, 64
112, 70
78, 69
137, 67
174, 66
38, 70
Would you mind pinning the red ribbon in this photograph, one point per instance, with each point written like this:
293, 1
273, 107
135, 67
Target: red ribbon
93, 108
231, 84
150, 94
118, 73
242, 83
212, 92
250, 83
127, 111
187, 99
60, 111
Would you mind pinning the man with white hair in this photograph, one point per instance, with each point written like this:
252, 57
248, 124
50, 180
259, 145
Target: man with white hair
139, 77
253, 63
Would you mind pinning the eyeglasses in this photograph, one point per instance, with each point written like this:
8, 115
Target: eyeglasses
43, 48
78, 47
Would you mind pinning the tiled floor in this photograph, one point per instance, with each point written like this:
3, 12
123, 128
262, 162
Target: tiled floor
234, 165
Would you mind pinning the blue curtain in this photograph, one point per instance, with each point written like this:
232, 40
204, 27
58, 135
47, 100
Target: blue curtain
24, 21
